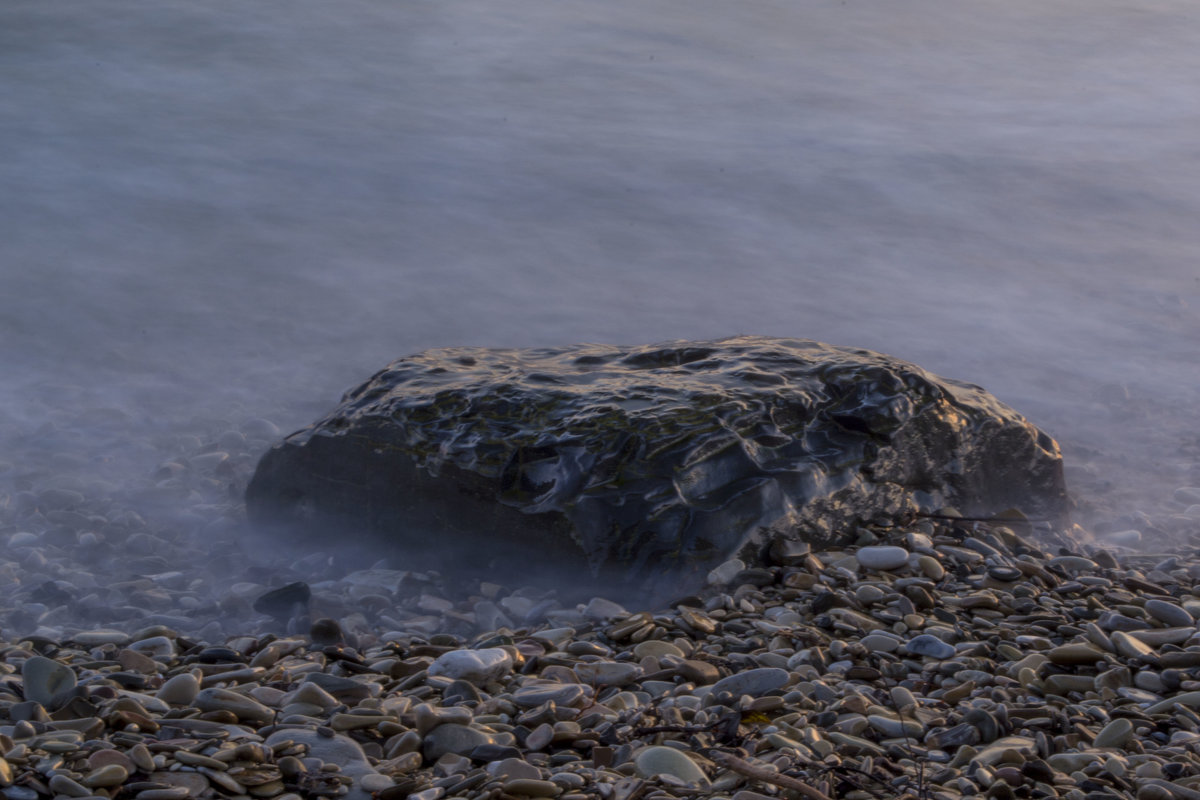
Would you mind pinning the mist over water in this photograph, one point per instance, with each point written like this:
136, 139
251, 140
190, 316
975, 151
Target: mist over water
240, 210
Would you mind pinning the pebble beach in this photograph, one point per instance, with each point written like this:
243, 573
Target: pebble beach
151, 650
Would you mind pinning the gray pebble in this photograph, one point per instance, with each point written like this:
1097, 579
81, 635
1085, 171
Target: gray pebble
926, 644
453, 738
1169, 614
882, 557
474, 666
754, 682
44, 678
659, 760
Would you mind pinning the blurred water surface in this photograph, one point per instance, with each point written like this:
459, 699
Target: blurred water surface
243, 209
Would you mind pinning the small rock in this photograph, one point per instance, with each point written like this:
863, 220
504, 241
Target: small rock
563, 694
474, 666
44, 678
1075, 653
453, 738
1169, 614
754, 682
657, 649
608, 673
880, 643
156, 647
179, 690
510, 768
602, 610
110, 775
926, 644
723, 574
931, 568
661, 760
882, 557
895, 728
700, 673
243, 707
99, 637
526, 787
1186, 495
1114, 734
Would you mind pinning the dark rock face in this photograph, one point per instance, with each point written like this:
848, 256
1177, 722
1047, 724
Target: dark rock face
645, 467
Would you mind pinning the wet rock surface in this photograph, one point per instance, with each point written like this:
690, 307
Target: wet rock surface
647, 467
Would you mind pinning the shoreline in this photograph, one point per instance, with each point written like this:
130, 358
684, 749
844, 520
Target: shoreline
968, 661
138, 660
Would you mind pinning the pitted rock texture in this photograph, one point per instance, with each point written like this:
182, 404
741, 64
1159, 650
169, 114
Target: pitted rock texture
645, 467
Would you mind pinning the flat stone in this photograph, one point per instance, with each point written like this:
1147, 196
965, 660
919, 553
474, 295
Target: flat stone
347, 690
660, 760
563, 694
656, 648
157, 647
895, 728
700, 673
527, 787
103, 758
882, 557
1169, 614
931, 568
243, 707
1062, 684
1074, 564
375, 783
881, 643
1156, 637
477, 667
509, 768
43, 678
63, 785
453, 738
1187, 495
133, 661
102, 777
1184, 659
601, 609
1004, 750
1072, 762
955, 737
1130, 647
100, 636
753, 682
724, 574
179, 690
698, 452
1188, 699
1076, 653
926, 644
1112, 621
1114, 734
608, 673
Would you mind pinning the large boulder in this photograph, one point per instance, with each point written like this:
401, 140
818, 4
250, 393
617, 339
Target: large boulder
642, 468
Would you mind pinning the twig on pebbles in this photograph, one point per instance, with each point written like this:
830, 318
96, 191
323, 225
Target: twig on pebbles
763, 775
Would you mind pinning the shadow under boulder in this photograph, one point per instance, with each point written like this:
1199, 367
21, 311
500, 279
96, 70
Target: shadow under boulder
637, 470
